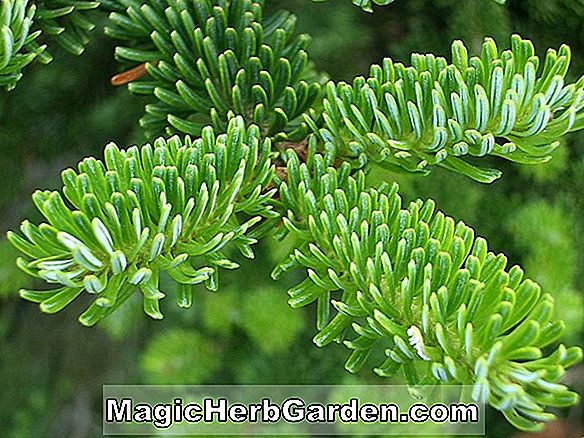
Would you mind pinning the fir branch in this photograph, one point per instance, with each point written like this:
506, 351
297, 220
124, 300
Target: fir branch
209, 59
23, 23
171, 209
17, 42
408, 280
435, 113
420, 286
65, 22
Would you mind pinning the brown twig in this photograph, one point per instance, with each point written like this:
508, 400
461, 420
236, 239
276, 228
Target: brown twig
301, 148
130, 75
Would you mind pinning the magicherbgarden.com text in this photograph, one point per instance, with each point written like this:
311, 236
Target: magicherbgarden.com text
292, 410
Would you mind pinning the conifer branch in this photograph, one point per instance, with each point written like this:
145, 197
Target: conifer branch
209, 59
507, 104
410, 280
17, 43
65, 22
23, 23
421, 287
171, 208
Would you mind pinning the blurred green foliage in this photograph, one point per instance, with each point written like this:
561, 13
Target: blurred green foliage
52, 369
183, 357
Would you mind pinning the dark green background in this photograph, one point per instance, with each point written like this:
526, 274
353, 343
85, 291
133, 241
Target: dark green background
52, 368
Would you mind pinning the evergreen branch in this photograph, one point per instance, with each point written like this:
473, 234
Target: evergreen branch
65, 22
209, 59
22, 23
166, 209
435, 113
17, 48
423, 288
408, 280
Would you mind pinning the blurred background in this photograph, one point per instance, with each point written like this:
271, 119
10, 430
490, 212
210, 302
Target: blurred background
52, 368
